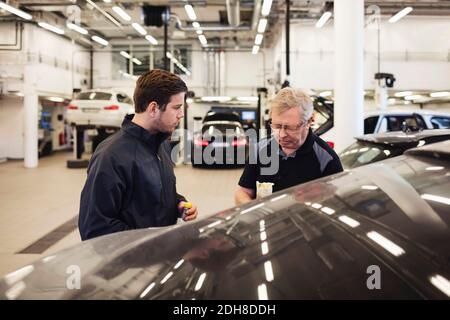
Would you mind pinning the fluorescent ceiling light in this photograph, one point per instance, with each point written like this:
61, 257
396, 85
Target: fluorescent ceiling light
121, 13
107, 1
440, 94
100, 40
196, 25
51, 28
403, 94
316, 205
106, 14
190, 12
147, 290
323, 19
152, 40
56, 99
265, 10
258, 39
125, 54
166, 277
413, 97
264, 248
139, 28
137, 61
15, 11
255, 49
202, 39
400, 14
349, 221
439, 199
262, 292
268, 271
179, 263
224, 99
369, 187
387, 244
262, 25
328, 211
437, 168
256, 99
199, 32
325, 93
441, 283
263, 236
200, 281
76, 28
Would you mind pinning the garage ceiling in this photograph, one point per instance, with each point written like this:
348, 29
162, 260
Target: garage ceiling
211, 14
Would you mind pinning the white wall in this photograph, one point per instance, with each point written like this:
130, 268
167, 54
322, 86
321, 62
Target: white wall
54, 57
11, 127
244, 72
415, 50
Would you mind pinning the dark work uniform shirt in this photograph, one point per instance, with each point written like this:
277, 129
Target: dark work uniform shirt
130, 184
314, 159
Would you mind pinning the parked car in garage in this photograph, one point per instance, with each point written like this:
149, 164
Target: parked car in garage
379, 231
382, 120
370, 148
395, 120
99, 108
219, 142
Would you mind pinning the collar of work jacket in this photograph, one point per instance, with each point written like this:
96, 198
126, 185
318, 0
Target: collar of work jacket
153, 140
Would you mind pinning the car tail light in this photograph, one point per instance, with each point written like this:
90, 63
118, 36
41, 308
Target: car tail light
331, 144
200, 143
72, 107
113, 107
239, 143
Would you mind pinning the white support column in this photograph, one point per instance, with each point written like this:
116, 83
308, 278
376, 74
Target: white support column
30, 117
348, 71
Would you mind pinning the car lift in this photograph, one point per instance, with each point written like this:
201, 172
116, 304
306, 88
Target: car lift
77, 162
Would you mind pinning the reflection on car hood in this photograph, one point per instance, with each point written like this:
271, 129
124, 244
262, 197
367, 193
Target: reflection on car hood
319, 240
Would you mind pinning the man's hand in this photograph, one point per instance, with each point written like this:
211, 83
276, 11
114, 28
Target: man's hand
191, 213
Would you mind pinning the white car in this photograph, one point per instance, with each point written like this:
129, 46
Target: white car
99, 108
395, 120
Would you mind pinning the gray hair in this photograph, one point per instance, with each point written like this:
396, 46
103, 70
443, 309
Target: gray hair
289, 98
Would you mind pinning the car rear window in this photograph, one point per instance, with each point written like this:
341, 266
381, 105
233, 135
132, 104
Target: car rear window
94, 95
361, 153
397, 123
222, 128
370, 124
440, 122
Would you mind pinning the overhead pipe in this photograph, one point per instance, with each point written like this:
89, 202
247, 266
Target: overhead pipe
234, 12
208, 26
256, 13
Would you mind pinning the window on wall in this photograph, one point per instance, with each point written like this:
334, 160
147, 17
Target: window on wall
134, 60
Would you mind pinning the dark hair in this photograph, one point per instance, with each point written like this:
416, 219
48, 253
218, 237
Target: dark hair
156, 85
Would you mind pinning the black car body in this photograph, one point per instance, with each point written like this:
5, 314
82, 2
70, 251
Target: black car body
326, 239
219, 143
371, 148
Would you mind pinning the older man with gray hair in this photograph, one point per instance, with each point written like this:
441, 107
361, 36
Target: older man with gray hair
302, 156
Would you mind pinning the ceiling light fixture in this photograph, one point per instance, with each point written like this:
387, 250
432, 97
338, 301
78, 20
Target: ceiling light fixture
120, 12
15, 11
400, 14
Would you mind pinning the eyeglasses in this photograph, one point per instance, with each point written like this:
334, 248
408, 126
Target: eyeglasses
287, 128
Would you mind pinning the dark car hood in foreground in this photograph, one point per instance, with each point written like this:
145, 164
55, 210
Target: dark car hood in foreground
320, 240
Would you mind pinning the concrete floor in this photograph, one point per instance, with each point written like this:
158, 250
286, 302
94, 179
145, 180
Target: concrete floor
33, 202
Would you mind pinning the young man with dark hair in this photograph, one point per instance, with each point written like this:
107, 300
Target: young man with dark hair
130, 182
